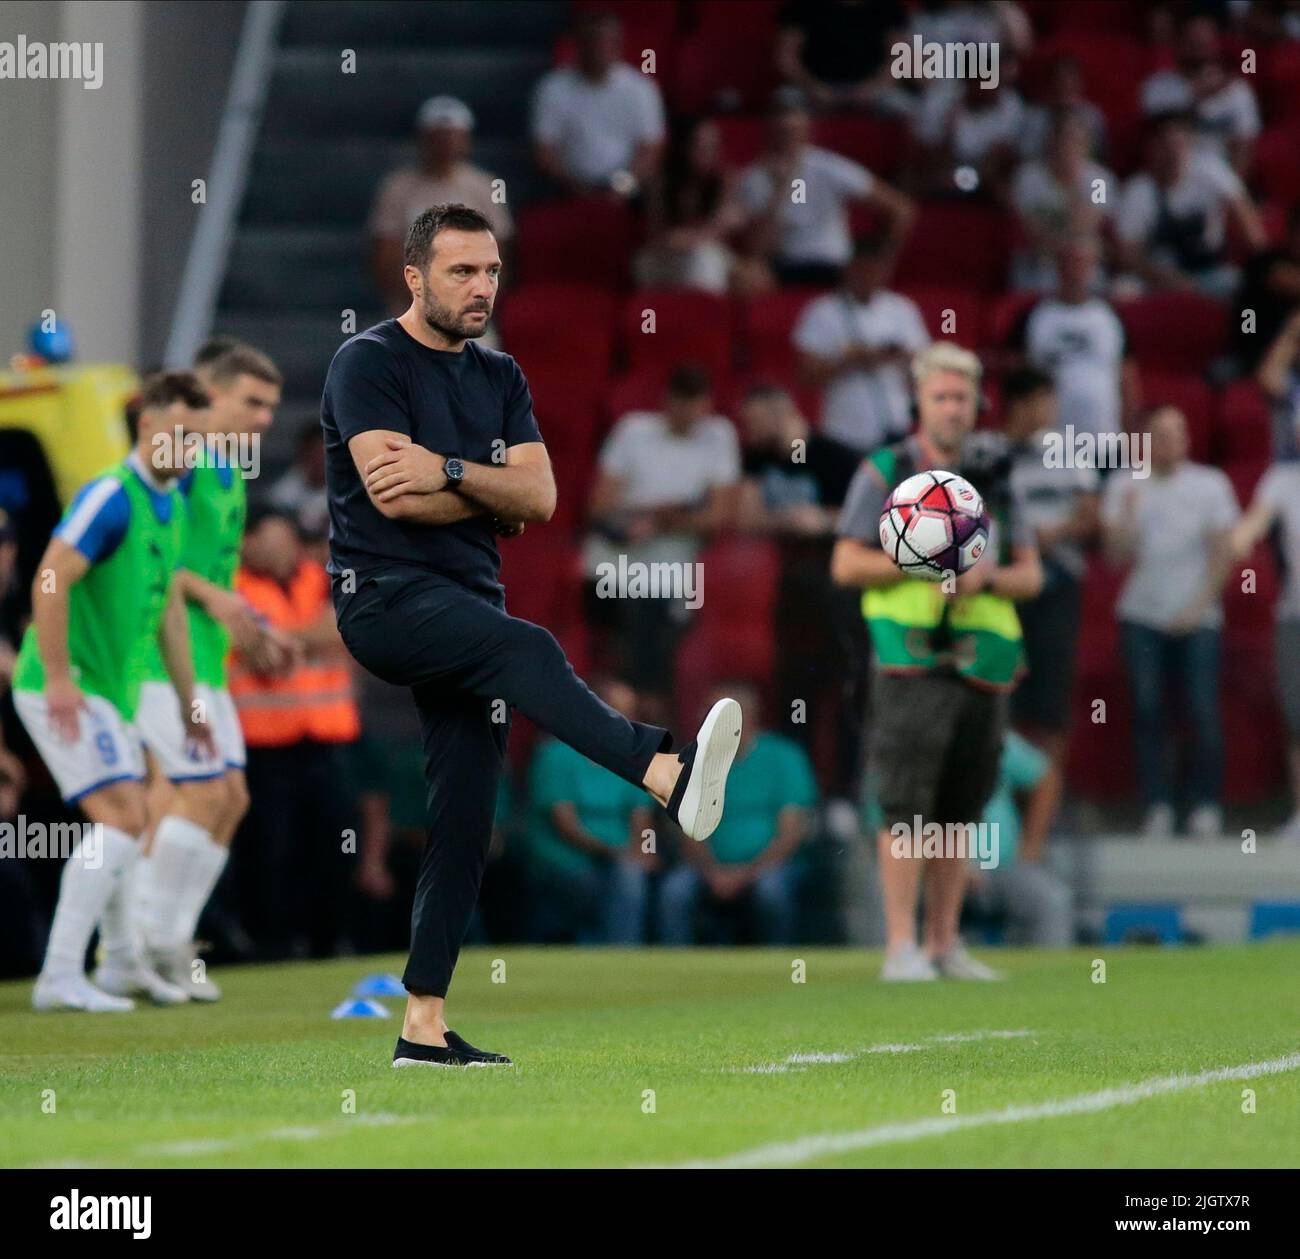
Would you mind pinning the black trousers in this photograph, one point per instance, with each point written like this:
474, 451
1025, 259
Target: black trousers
468, 665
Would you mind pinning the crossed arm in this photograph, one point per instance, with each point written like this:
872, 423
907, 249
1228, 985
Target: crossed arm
405, 482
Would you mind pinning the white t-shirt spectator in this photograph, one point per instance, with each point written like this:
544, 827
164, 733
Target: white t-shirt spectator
1197, 203
1050, 497
863, 409
1039, 198
596, 128
1176, 514
657, 467
815, 226
944, 115
1082, 347
408, 192
1231, 113
1280, 489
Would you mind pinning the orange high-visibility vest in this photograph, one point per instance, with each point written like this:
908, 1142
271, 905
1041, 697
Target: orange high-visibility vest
315, 701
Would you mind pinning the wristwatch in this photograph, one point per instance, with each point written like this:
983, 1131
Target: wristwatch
455, 471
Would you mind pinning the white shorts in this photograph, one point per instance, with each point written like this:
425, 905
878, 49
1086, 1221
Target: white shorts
107, 748
158, 718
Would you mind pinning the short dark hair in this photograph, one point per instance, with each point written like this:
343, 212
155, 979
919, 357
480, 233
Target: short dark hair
689, 380
213, 348
1024, 382
871, 244
161, 390
243, 360
439, 218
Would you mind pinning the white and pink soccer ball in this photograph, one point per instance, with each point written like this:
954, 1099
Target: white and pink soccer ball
934, 523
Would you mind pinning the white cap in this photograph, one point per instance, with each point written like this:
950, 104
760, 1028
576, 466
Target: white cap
444, 111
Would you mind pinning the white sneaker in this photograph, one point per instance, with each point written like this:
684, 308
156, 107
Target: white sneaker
697, 799
76, 992
957, 963
1205, 822
140, 982
177, 966
907, 966
1159, 822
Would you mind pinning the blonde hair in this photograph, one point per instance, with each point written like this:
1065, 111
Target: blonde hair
946, 356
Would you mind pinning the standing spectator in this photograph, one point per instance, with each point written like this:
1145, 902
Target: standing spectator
838, 55
666, 481
1173, 215
693, 211
300, 493
1172, 528
1277, 503
598, 125
443, 173
1063, 194
1063, 95
589, 861
1077, 339
290, 861
1222, 104
1270, 286
1060, 505
795, 481
748, 862
856, 344
1278, 376
796, 197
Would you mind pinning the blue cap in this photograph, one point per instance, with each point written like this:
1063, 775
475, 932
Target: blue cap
56, 345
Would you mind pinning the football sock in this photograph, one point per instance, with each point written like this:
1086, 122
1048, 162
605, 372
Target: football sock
170, 870
209, 862
89, 877
118, 926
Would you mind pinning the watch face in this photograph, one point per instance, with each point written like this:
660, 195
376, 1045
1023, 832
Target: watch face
455, 469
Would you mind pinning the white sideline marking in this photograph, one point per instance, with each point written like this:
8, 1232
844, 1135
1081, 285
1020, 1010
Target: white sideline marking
800, 1061
805, 1149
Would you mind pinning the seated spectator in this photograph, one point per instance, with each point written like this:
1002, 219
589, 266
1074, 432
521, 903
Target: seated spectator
1173, 215
975, 22
794, 484
443, 173
796, 197
598, 125
1020, 889
588, 852
1060, 504
1063, 194
300, 492
288, 865
693, 211
1278, 377
1173, 528
1276, 506
856, 344
1270, 286
1078, 340
1063, 95
748, 862
838, 54
968, 135
1221, 102
665, 482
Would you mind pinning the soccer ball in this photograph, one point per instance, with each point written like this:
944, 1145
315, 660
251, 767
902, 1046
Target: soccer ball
934, 523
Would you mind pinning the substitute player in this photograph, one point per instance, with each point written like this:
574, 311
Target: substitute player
197, 806
103, 594
944, 663
431, 449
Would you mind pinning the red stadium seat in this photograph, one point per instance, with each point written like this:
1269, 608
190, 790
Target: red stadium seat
1245, 475
1243, 429
586, 240
1277, 167
725, 17
641, 390
1175, 331
1281, 73
1252, 611
541, 323
646, 24
1254, 742
1123, 17
953, 239
723, 69
742, 138
1112, 64
879, 144
689, 327
969, 312
1191, 395
766, 322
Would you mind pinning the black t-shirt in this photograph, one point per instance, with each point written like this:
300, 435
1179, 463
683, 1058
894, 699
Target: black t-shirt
472, 405
822, 479
844, 43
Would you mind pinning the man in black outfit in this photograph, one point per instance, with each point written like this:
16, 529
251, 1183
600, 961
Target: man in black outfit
432, 451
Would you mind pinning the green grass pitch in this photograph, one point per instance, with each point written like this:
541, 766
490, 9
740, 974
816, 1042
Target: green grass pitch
630, 1058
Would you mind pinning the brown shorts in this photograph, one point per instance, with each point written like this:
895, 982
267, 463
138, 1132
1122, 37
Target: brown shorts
935, 744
